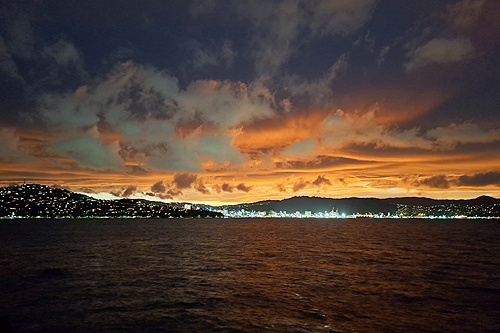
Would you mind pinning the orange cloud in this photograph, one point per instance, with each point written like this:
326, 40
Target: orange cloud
280, 132
393, 105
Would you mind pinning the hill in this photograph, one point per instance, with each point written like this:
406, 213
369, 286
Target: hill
34, 200
408, 206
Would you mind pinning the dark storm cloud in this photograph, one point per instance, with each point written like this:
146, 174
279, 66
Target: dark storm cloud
480, 179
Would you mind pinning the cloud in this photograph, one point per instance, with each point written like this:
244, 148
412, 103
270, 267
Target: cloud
158, 187
87, 190
281, 187
439, 181
318, 162
50, 66
144, 112
216, 102
227, 53
141, 152
63, 53
464, 14
200, 187
17, 40
212, 56
299, 185
243, 188
87, 150
19, 34
276, 25
183, 180
480, 179
280, 132
125, 192
129, 191
166, 196
203, 58
280, 26
341, 129
382, 55
321, 180
316, 90
441, 51
295, 138
34, 146
342, 17
302, 148
466, 133
7, 63
227, 188
166, 190
9, 152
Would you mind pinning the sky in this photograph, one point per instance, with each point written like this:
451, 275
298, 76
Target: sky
230, 101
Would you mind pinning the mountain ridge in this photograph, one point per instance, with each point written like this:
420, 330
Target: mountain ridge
359, 205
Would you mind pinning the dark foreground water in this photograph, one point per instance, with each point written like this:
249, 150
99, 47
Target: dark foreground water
249, 275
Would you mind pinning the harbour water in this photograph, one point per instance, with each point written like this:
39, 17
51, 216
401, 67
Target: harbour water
250, 275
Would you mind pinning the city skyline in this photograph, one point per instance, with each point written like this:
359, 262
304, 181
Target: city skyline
224, 102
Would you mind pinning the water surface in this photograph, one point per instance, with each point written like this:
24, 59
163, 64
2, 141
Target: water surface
274, 275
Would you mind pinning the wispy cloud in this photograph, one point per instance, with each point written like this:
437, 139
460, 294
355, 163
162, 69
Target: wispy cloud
441, 51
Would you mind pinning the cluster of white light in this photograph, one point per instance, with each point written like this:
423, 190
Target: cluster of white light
242, 213
306, 214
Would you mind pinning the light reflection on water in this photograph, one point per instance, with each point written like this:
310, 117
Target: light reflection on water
250, 275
